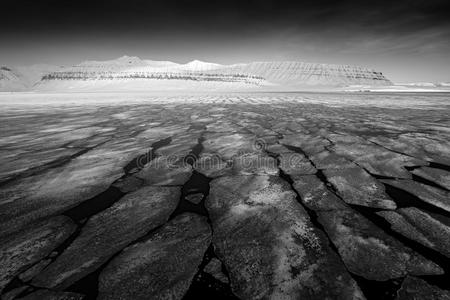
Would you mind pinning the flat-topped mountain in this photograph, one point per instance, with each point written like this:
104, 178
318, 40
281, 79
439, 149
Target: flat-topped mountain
135, 73
294, 73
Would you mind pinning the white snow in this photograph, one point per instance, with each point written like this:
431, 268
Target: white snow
133, 73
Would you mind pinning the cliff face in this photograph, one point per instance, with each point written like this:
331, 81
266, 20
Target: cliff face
161, 75
299, 73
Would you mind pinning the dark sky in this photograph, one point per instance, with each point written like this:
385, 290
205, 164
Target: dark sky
406, 40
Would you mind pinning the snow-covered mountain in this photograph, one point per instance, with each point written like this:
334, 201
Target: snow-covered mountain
293, 74
23, 78
134, 73
10, 81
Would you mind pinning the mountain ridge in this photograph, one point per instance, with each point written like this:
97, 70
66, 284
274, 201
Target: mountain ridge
196, 74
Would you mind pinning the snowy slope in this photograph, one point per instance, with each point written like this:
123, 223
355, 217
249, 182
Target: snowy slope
299, 73
271, 75
133, 72
23, 77
10, 81
198, 66
30, 75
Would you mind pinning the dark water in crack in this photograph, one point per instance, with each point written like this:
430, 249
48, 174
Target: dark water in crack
95, 205
107, 198
88, 285
405, 199
439, 166
197, 183
427, 182
378, 290
205, 286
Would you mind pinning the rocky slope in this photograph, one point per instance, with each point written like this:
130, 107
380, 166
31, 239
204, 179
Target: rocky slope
134, 73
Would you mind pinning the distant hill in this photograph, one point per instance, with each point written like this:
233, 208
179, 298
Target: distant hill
10, 81
23, 78
134, 73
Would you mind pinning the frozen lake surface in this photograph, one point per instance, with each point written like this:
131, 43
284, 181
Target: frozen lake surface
239, 195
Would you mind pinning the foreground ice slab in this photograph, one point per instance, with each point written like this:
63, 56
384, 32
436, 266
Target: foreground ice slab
165, 171
315, 195
356, 186
424, 146
228, 146
24, 249
214, 268
269, 245
375, 159
161, 267
212, 165
330, 160
415, 288
365, 249
108, 232
310, 144
434, 196
61, 188
254, 164
53, 295
369, 252
421, 227
438, 176
295, 164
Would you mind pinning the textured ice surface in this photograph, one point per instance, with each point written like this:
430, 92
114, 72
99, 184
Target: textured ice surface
294, 187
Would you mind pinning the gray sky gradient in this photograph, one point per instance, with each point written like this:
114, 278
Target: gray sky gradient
406, 40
